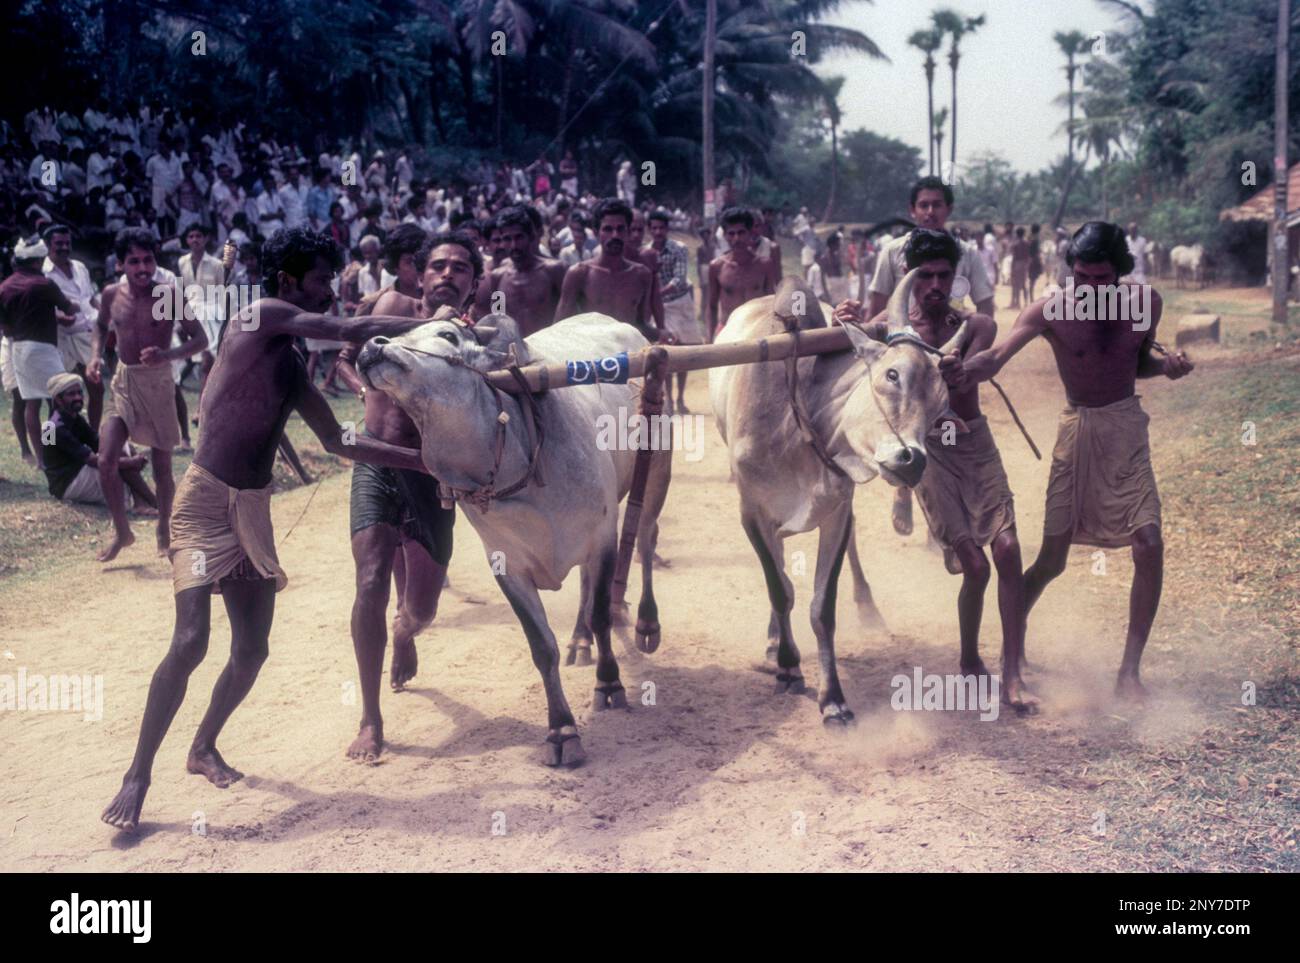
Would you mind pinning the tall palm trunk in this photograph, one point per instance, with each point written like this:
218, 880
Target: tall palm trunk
835, 171
1069, 151
929, 96
953, 57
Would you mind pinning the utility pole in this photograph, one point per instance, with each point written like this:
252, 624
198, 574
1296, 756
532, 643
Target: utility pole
710, 36
1281, 251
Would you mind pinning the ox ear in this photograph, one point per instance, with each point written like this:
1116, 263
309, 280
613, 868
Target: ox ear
867, 348
498, 335
854, 467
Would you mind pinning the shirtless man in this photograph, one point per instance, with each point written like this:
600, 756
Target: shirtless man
221, 528
650, 258
738, 276
930, 205
964, 491
1101, 490
143, 401
530, 284
399, 528
610, 283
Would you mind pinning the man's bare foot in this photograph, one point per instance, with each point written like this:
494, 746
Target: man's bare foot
1129, 686
368, 744
974, 668
405, 661
658, 561
208, 762
29, 459
118, 543
144, 511
903, 511
124, 811
164, 537
681, 407
1017, 695
185, 446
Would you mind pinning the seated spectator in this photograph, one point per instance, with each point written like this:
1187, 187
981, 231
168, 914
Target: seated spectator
72, 452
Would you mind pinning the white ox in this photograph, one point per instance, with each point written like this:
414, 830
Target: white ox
871, 409
534, 537
1188, 261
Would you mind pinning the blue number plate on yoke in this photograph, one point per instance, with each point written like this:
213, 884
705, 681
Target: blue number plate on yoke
603, 370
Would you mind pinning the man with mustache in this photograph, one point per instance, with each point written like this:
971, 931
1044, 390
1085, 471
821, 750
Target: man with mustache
398, 525
72, 457
964, 492
526, 286
222, 540
611, 283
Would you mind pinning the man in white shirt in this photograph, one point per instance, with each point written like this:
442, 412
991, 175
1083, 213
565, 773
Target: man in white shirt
74, 281
1139, 247
203, 278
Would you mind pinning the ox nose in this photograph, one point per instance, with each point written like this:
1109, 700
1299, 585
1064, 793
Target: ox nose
908, 464
371, 353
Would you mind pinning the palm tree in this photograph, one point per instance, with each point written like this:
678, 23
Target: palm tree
928, 41
1072, 44
831, 87
940, 118
955, 26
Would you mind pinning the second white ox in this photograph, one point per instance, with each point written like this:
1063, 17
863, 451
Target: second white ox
871, 410
536, 535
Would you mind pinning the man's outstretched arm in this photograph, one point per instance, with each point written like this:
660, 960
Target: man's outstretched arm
318, 414
983, 365
272, 317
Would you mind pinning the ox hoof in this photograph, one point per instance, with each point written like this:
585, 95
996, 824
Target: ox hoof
647, 636
611, 696
579, 654
563, 748
789, 684
837, 718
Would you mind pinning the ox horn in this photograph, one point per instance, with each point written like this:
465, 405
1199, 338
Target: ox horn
896, 311
953, 344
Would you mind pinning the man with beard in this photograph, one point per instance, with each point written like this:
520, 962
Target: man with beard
400, 531
222, 540
529, 284
610, 283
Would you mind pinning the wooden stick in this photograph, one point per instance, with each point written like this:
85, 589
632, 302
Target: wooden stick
690, 357
652, 403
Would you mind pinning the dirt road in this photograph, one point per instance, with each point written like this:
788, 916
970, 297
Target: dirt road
718, 773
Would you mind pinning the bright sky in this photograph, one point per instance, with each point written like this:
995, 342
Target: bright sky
1009, 73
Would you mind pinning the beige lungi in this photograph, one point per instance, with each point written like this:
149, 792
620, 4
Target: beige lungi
963, 490
218, 531
680, 320
1102, 488
144, 396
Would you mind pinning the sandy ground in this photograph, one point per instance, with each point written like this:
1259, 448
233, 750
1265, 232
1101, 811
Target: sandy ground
718, 773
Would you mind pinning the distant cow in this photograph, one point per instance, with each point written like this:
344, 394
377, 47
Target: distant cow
1188, 261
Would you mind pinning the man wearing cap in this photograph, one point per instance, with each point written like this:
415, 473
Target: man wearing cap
73, 280
31, 309
72, 450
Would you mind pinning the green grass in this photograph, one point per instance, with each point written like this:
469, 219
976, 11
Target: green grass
39, 534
